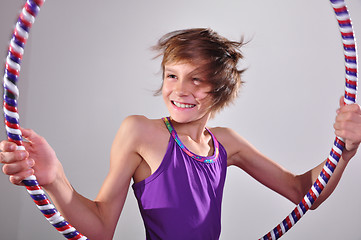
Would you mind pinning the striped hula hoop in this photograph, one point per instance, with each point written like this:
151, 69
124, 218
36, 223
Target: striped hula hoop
11, 94
349, 46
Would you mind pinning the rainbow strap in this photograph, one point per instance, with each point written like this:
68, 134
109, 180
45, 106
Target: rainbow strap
210, 159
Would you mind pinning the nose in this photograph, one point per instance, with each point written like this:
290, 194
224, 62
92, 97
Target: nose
181, 88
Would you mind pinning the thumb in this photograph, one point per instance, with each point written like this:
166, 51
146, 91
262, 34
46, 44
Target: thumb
342, 102
30, 135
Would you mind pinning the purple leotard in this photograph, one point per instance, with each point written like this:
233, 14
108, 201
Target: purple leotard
182, 199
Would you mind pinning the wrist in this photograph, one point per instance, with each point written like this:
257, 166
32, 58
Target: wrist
347, 155
59, 182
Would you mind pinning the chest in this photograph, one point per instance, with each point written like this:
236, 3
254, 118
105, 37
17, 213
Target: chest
152, 153
186, 188
180, 170
155, 150
203, 148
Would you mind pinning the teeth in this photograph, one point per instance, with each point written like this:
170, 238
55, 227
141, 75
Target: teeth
181, 105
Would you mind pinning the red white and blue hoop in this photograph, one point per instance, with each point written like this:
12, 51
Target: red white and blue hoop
350, 53
11, 94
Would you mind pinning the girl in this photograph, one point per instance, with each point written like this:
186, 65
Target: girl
177, 164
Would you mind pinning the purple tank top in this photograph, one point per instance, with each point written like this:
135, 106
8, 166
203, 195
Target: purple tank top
182, 199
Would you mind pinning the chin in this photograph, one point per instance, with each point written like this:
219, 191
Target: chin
180, 119
183, 118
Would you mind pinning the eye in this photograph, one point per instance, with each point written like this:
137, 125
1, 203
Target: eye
172, 76
197, 81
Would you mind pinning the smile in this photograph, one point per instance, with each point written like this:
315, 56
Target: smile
181, 105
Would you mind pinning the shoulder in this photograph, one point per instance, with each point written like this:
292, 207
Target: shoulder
226, 135
140, 124
135, 120
138, 127
140, 145
137, 131
236, 146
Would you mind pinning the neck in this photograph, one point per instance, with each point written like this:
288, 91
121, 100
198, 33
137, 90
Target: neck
194, 129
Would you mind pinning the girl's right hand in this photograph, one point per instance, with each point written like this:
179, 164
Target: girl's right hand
39, 159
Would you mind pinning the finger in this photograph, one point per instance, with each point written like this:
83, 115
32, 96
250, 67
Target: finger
7, 146
342, 102
29, 134
354, 107
349, 132
18, 178
18, 167
32, 137
349, 115
11, 157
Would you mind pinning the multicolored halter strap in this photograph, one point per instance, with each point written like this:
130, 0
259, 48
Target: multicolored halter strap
210, 159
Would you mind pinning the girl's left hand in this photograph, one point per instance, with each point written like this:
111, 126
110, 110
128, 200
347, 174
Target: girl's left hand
348, 127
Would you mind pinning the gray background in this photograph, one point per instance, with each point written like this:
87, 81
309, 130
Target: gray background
88, 65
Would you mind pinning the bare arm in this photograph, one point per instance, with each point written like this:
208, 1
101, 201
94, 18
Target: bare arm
101, 214
347, 126
243, 155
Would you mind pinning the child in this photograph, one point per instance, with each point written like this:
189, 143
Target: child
177, 164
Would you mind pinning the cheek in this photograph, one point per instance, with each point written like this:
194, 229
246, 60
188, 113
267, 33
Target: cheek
166, 91
205, 99
202, 97
203, 94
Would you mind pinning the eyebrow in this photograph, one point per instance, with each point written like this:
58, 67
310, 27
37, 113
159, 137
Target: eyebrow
194, 72
169, 69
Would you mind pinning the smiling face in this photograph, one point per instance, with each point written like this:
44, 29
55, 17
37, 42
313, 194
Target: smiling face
186, 92
218, 58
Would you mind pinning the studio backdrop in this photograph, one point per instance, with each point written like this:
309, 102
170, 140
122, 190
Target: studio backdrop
88, 65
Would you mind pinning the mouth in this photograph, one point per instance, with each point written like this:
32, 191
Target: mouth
183, 105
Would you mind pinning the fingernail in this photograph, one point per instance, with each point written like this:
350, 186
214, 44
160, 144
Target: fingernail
12, 147
30, 172
22, 154
30, 162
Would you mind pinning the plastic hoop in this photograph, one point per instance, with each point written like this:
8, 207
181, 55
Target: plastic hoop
349, 46
11, 94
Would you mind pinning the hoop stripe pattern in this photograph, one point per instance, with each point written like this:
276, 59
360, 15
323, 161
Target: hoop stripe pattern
349, 46
11, 94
